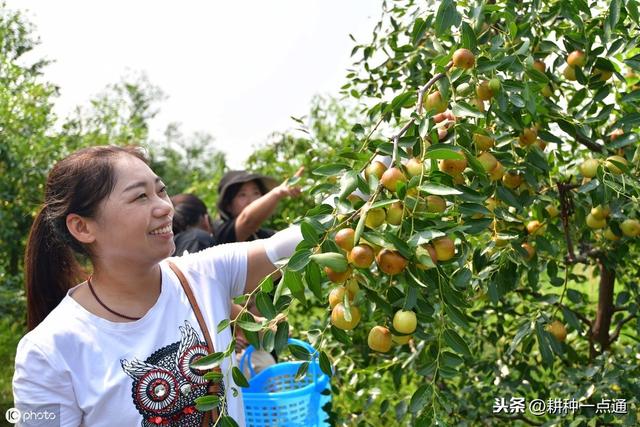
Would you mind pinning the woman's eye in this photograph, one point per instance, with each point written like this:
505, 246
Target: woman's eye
163, 190
141, 196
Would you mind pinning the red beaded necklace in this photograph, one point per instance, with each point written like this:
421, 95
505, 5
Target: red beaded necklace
107, 308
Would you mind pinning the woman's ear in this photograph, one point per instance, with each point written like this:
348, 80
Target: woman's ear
80, 228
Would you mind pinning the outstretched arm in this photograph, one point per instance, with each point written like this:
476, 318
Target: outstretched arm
262, 254
252, 217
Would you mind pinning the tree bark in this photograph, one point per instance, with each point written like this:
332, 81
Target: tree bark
602, 324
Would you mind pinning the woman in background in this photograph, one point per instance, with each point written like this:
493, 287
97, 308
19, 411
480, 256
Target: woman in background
245, 202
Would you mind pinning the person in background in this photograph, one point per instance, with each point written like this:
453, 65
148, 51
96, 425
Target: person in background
192, 231
245, 202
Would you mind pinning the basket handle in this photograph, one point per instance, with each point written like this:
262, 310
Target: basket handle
246, 356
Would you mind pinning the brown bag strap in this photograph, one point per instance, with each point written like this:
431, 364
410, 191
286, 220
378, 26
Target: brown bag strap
214, 388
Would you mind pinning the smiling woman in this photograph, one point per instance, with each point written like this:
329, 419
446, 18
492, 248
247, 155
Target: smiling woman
123, 341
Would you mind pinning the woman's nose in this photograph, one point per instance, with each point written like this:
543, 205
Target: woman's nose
164, 207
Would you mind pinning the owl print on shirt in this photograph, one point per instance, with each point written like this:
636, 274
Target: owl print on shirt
165, 386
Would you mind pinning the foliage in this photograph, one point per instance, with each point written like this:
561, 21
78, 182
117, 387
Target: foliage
323, 134
485, 316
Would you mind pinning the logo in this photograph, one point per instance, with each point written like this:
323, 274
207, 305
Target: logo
12, 415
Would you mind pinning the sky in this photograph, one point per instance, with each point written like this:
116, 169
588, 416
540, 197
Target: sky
235, 69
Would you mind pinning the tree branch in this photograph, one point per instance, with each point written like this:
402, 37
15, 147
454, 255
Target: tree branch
589, 144
430, 83
616, 333
421, 93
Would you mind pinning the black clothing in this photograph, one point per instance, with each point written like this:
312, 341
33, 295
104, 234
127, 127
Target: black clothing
225, 232
193, 240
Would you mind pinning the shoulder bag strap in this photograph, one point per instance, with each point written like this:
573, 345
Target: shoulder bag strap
214, 388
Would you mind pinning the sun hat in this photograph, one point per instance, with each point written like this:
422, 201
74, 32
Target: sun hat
233, 178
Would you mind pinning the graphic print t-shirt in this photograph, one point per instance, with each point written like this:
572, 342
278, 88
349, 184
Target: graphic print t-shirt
105, 373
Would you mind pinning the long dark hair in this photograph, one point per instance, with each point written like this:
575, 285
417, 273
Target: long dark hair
188, 210
76, 184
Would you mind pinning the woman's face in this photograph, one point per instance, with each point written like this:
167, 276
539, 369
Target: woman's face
249, 192
133, 224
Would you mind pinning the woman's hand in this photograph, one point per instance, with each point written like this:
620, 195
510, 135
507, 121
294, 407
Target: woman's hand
288, 187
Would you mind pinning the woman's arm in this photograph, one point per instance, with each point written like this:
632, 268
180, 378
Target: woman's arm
252, 217
263, 254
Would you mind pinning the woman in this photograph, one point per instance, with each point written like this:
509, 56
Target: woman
116, 349
191, 224
245, 202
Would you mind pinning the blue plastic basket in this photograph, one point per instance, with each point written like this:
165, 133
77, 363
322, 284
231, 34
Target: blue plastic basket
275, 398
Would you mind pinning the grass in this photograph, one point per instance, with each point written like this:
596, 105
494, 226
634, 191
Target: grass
10, 334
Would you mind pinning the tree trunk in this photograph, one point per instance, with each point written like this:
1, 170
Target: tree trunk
600, 328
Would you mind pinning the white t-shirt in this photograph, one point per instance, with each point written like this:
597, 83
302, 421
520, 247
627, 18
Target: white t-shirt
105, 373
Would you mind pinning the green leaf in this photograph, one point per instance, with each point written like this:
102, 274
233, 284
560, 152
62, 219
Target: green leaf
419, 28
313, 278
456, 342
462, 278
207, 403
463, 109
309, 234
444, 153
299, 352
589, 186
325, 364
282, 336
424, 237
223, 325
507, 196
614, 13
468, 37
402, 100
631, 96
632, 8
238, 377
340, 335
382, 203
335, 261
523, 331
446, 17
331, 170
268, 340
227, 421
348, 183
293, 281
265, 305
439, 189
302, 371
299, 260
209, 361
249, 326
419, 398
630, 120
267, 284
543, 345
213, 376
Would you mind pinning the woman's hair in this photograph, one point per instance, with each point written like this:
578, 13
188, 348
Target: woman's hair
76, 184
233, 190
188, 211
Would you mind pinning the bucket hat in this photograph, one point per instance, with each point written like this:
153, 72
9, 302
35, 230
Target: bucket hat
232, 178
